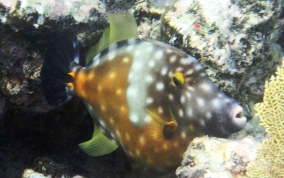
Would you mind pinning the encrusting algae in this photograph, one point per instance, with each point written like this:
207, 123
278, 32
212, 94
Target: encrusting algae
270, 162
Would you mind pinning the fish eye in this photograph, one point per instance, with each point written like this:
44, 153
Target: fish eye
178, 79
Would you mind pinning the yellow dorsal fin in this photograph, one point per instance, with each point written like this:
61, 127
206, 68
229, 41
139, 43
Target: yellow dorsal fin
121, 27
99, 144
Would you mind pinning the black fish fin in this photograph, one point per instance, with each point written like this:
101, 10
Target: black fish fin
61, 56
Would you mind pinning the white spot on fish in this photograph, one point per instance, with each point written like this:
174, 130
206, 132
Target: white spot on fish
200, 102
220, 95
97, 61
190, 88
208, 115
168, 50
190, 112
160, 110
227, 100
183, 134
99, 88
165, 146
149, 79
111, 120
142, 140
133, 118
180, 113
164, 71
188, 94
159, 54
173, 58
202, 122
205, 86
175, 144
149, 100
118, 91
215, 102
159, 86
122, 108
148, 119
185, 61
103, 108
190, 71
151, 63
170, 74
202, 75
127, 136
179, 69
182, 99
137, 152
112, 75
91, 76
198, 67
117, 132
111, 55
171, 97
125, 60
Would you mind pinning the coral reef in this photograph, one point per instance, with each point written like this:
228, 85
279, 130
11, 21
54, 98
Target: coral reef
245, 43
48, 168
79, 10
231, 38
216, 157
269, 161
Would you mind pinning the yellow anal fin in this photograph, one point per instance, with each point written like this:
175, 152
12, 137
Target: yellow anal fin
99, 144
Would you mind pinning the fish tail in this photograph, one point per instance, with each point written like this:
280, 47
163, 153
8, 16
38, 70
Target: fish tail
61, 57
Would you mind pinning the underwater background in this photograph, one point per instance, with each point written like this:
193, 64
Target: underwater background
239, 44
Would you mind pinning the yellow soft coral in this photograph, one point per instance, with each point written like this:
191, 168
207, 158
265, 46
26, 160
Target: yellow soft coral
270, 158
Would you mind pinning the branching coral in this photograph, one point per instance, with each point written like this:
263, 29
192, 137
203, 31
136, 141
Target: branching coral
270, 159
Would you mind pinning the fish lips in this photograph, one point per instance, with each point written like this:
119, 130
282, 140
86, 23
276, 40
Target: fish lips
227, 123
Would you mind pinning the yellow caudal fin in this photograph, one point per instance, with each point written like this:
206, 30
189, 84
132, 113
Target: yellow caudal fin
99, 144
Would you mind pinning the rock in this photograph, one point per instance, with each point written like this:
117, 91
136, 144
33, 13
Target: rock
235, 41
216, 157
232, 40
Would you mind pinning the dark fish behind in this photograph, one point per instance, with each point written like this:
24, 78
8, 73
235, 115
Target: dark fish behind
148, 97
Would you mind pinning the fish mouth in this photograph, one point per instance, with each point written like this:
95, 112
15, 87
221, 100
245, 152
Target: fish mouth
238, 118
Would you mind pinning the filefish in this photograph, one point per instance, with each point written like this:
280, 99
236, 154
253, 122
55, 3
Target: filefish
147, 97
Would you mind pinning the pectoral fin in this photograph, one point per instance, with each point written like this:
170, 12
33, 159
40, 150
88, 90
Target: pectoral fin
162, 129
99, 144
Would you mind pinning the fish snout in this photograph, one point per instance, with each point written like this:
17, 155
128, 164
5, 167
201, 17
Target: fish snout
237, 118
